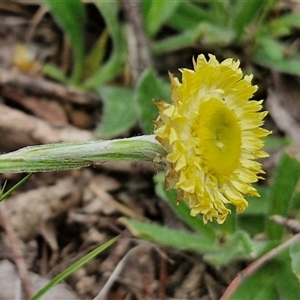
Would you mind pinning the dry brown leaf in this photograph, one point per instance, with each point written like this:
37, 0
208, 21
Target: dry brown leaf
34, 212
18, 129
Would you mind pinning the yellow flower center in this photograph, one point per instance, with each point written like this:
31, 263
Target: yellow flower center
218, 130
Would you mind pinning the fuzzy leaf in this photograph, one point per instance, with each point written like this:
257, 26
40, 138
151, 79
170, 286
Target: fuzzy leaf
149, 88
119, 111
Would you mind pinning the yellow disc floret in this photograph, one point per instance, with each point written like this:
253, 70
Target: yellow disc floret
219, 134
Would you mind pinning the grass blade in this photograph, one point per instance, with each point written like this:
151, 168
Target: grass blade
16, 186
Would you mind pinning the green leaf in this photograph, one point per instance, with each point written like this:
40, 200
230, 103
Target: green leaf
149, 88
54, 72
284, 25
220, 10
71, 16
259, 286
95, 57
68, 271
258, 205
295, 257
253, 219
188, 15
214, 34
179, 41
171, 237
182, 209
283, 186
119, 111
243, 14
110, 10
261, 247
207, 33
254, 224
236, 246
275, 142
272, 54
157, 13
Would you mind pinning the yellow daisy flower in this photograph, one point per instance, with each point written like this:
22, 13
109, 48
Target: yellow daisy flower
212, 135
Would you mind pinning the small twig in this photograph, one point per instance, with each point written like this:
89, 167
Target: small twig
19, 129
139, 52
16, 253
163, 277
66, 55
135, 254
253, 267
127, 211
116, 273
17, 82
292, 225
34, 22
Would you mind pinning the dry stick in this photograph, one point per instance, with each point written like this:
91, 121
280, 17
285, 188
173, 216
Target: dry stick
16, 253
163, 277
139, 52
292, 225
15, 81
115, 274
133, 252
35, 21
256, 265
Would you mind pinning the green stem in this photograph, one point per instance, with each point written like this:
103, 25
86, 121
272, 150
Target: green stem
63, 156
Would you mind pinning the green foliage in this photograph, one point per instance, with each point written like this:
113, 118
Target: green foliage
149, 88
273, 54
119, 111
156, 13
113, 66
171, 237
89, 71
123, 108
283, 187
71, 16
274, 142
188, 15
259, 286
295, 257
267, 284
281, 27
94, 59
244, 13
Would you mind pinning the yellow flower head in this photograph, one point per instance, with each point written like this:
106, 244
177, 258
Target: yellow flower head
212, 135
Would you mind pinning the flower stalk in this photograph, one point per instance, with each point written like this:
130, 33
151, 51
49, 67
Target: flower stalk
64, 156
